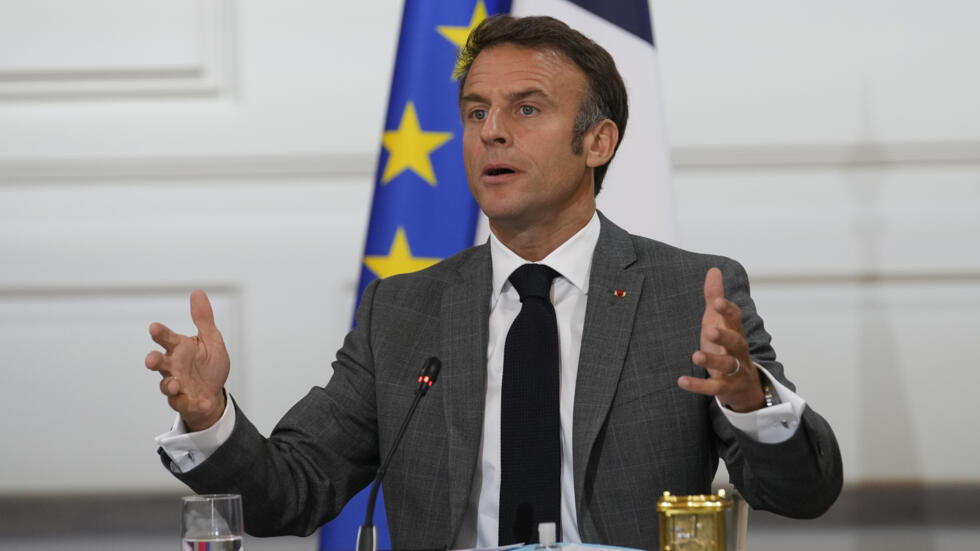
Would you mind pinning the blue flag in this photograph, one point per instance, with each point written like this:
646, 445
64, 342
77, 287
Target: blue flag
422, 210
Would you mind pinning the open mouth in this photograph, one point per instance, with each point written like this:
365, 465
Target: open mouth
498, 171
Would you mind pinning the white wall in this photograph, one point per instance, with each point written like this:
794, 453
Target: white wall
150, 148
834, 149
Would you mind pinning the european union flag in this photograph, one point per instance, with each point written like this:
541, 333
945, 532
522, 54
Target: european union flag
422, 210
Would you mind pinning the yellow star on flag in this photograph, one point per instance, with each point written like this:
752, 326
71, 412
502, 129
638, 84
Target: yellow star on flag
458, 35
399, 259
409, 147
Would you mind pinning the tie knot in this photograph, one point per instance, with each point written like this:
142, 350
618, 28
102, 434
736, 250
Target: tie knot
533, 280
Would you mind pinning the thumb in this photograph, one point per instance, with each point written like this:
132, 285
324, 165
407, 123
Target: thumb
714, 286
203, 315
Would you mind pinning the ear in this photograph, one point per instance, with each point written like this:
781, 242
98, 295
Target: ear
600, 143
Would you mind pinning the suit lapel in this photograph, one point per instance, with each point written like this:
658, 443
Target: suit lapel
613, 298
465, 319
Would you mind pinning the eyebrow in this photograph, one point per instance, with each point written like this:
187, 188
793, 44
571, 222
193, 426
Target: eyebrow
513, 96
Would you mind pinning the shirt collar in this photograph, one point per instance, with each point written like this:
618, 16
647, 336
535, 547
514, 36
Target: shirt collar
572, 259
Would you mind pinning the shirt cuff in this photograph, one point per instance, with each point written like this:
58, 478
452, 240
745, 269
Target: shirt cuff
770, 425
189, 449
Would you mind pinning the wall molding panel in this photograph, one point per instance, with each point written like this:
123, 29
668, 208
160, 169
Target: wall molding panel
57, 340
684, 159
860, 153
116, 49
87, 267
289, 165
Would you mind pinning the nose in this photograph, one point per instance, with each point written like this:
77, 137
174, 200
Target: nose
494, 129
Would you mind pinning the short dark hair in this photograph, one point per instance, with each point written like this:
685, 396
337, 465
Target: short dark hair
606, 96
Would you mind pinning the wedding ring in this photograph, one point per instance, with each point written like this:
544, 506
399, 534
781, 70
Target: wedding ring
738, 365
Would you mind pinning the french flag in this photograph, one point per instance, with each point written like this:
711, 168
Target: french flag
637, 193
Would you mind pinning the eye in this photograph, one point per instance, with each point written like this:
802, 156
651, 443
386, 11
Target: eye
478, 114
528, 110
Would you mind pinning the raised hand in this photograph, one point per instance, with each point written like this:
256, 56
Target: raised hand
194, 369
724, 353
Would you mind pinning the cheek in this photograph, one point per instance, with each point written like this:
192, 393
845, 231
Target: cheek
471, 152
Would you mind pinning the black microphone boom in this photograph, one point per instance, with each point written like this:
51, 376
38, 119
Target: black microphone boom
367, 534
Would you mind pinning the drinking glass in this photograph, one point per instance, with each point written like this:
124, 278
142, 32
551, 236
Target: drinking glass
211, 523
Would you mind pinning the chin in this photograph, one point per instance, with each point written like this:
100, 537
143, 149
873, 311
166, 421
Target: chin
510, 218
495, 213
493, 205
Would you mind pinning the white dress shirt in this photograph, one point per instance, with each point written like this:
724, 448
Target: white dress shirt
573, 260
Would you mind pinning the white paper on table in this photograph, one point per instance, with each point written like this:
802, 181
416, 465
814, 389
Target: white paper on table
592, 547
504, 548
562, 546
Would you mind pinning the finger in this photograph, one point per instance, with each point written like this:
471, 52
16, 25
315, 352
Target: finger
728, 310
170, 386
202, 314
717, 364
708, 387
731, 340
155, 361
162, 335
714, 286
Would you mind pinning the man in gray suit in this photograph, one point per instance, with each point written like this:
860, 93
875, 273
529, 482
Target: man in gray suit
665, 365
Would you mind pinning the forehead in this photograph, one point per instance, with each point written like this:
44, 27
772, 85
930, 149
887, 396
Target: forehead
509, 68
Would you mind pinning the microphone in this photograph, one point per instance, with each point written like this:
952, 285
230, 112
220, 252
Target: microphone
367, 534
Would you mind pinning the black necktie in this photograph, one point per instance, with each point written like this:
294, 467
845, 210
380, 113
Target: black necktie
530, 424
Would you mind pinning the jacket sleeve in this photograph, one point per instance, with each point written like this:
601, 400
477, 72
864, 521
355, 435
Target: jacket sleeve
800, 477
322, 452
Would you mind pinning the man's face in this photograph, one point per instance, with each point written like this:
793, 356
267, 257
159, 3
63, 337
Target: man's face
518, 107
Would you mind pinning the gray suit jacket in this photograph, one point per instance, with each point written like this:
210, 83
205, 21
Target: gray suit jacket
636, 433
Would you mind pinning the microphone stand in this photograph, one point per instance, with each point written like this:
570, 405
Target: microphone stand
367, 534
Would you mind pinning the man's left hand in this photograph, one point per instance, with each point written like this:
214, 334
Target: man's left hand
724, 353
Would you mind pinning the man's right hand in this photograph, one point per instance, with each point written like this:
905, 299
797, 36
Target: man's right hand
194, 369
